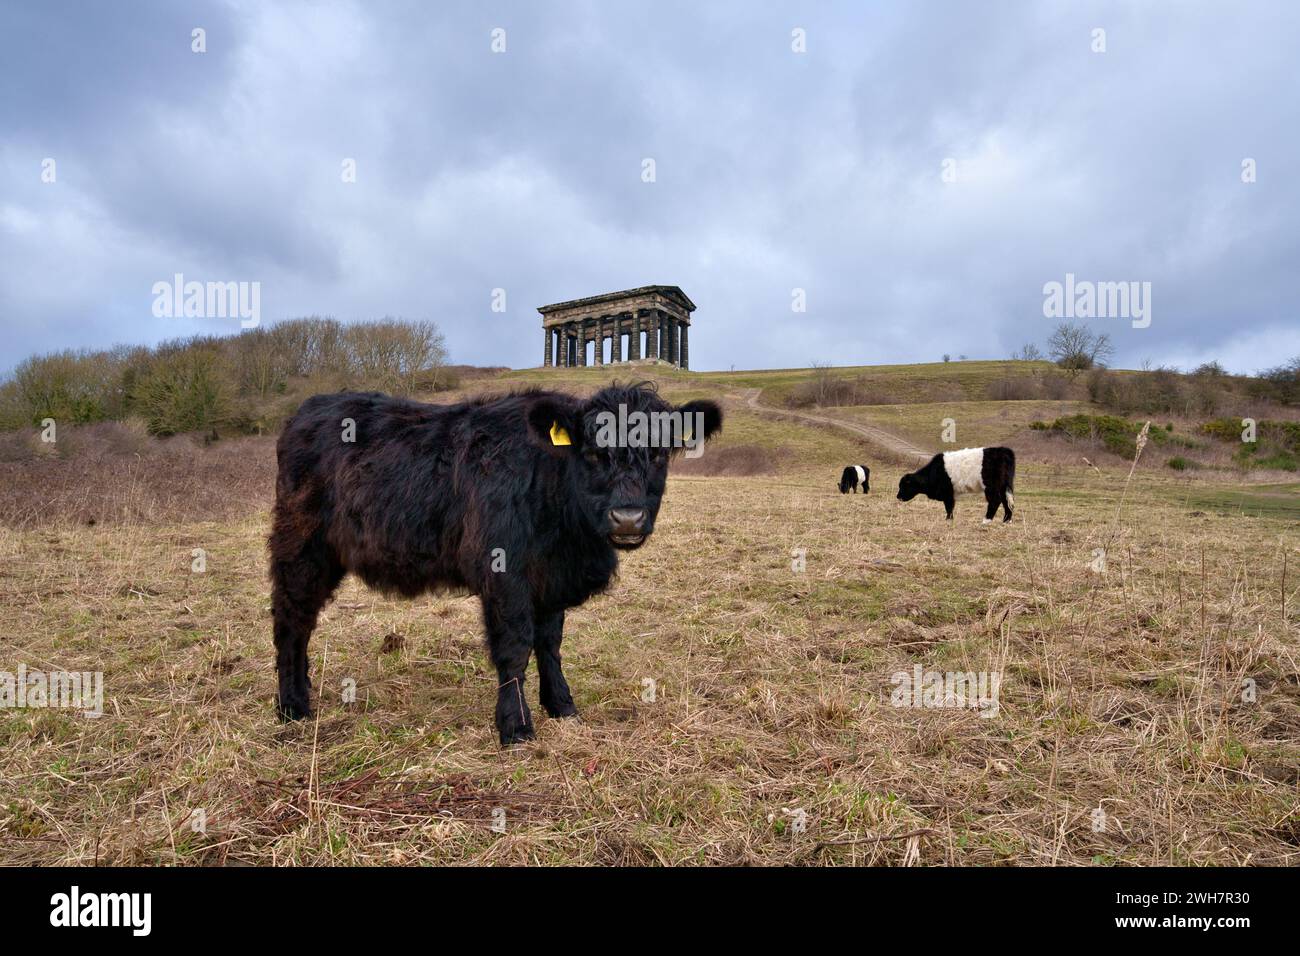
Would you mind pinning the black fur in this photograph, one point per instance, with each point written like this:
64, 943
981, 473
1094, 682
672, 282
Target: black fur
849, 480
997, 470
426, 493
931, 481
999, 475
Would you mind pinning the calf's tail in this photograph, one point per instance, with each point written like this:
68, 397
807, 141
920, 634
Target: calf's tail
1011, 477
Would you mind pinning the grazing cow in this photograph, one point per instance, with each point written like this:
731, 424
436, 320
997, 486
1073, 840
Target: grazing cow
853, 476
523, 500
991, 470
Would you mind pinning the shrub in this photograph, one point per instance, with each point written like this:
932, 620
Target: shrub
70, 387
248, 381
1179, 463
183, 391
1276, 445
1057, 387
826, 391
262, 362
730, 460
1281, 460
1280, 384
1013, 389
1284, 434
1224, 429
1115, 434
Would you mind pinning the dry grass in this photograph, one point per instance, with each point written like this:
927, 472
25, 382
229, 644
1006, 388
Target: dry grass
975, 424
1120, 690
112, 473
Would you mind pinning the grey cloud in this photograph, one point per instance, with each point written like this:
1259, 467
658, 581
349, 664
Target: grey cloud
774, 170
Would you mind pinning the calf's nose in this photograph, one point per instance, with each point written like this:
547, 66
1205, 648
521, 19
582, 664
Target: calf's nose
627, 520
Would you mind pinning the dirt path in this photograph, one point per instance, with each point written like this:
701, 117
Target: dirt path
875, 436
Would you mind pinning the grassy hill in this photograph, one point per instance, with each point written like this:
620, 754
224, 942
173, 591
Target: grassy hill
906, 383
771, 612
961, 381
988, 402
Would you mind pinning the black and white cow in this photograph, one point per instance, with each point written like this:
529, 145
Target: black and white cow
990, 470
853, 476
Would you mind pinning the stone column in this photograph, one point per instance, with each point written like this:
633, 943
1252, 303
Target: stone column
652, 335
598, 334
616, 346
634, 340
546, 353
686, 363
582, 343
673, 326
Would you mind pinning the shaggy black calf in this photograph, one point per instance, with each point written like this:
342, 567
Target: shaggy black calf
522, 500
991, 470
853, 476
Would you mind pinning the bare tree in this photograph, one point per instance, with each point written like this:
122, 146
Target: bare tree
395, 355
261, 363
821, 381
1076, 347
1029, 352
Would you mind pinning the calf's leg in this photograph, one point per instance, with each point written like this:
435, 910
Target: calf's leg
509, 624
994, 499
1006, 507
300, 587
553, 689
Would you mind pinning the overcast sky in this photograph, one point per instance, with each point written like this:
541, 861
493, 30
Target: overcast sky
775, 170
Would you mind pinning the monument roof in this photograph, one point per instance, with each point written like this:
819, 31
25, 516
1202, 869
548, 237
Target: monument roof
671, 291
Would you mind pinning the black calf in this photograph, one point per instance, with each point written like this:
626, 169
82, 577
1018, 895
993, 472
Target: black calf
522, 500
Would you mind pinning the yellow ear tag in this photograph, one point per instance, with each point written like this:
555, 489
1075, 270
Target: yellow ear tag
558, 435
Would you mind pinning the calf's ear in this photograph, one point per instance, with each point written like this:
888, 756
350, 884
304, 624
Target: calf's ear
554, 426
712, 418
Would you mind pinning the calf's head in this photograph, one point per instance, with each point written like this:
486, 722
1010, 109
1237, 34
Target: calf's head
615, 449
909, 486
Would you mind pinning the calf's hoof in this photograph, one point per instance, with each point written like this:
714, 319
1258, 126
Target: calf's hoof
292, 708
517, 736
561, 707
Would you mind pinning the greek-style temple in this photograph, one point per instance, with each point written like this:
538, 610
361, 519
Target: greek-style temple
650, 323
